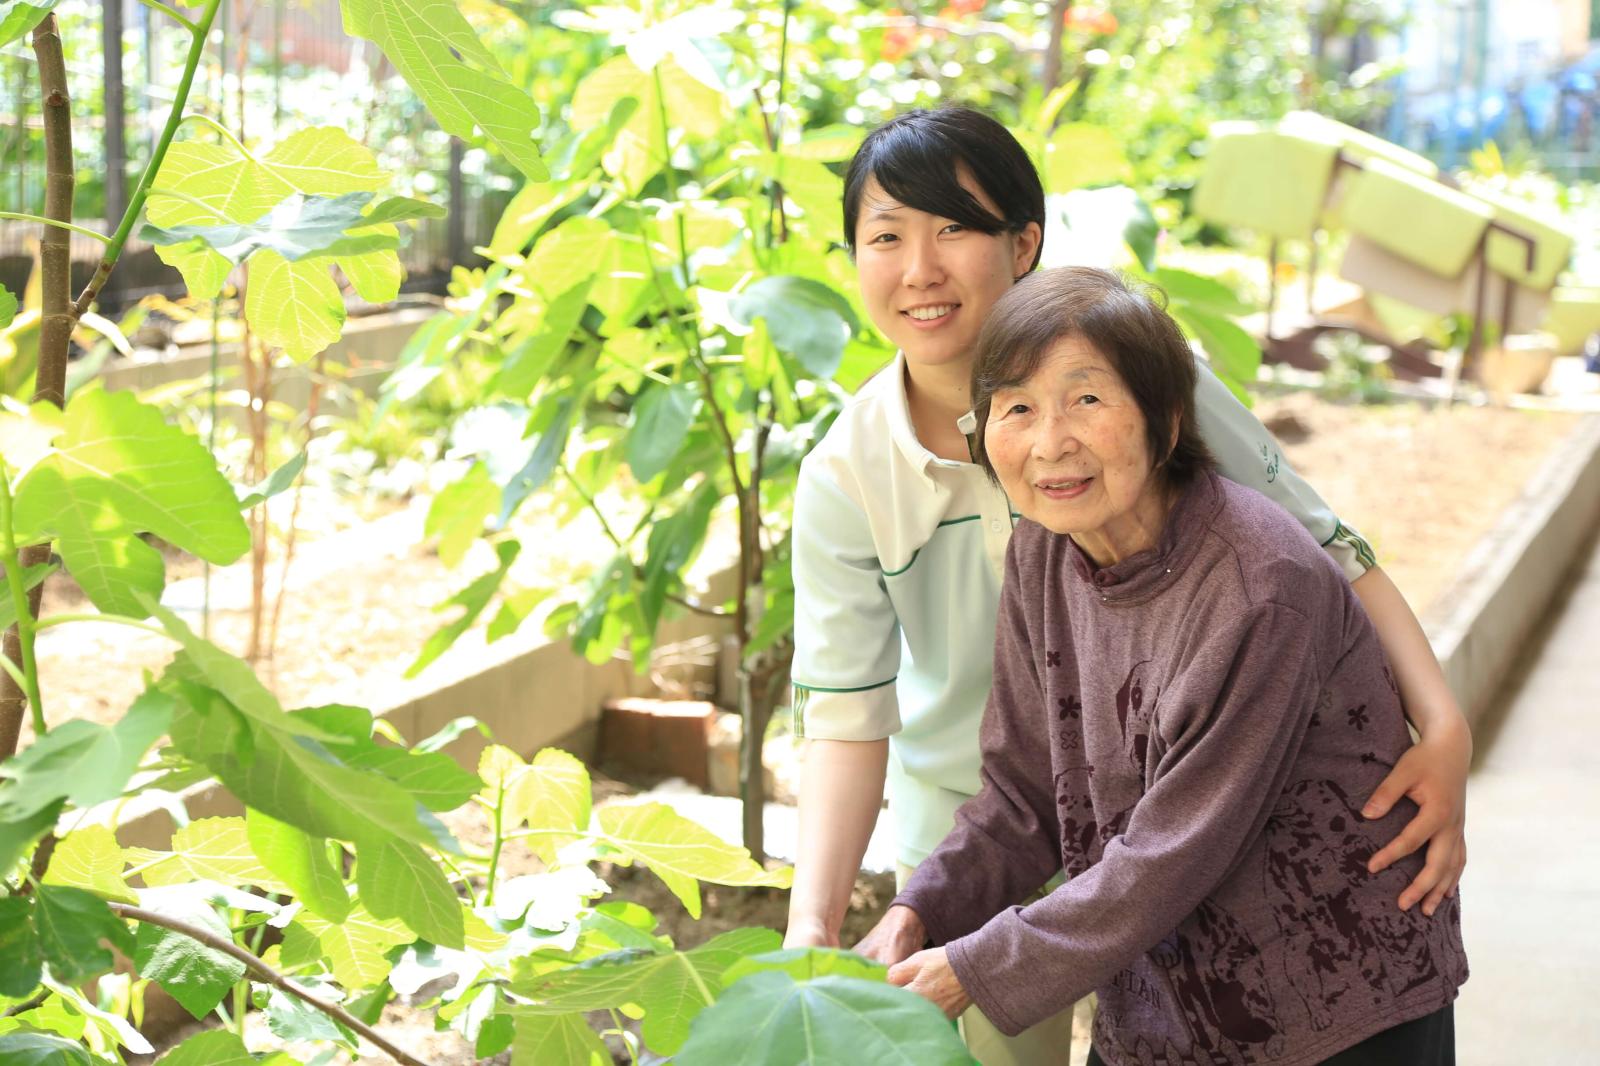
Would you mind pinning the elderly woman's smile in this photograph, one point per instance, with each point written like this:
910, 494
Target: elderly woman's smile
1070, 446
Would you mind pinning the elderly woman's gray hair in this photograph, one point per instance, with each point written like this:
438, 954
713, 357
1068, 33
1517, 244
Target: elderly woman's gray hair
1125, 324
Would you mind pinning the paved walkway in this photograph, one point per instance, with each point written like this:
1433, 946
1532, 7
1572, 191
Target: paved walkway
1531, 893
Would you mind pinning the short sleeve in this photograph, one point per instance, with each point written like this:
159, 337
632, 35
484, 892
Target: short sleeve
1247, 454
846, 634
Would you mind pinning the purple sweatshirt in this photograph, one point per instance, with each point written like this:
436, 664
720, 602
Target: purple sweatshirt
1190, 734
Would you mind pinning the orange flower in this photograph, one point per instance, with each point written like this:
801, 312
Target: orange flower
897, 40
1092, 20
968, 7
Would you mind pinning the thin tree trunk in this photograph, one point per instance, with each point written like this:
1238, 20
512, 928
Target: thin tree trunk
55, 332
1052, 55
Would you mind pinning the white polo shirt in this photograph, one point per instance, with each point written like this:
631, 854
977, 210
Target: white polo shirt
898, 556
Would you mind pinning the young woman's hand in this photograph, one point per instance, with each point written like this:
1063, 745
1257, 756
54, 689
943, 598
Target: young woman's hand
928, 974
898, 935
1433, 774
809, 933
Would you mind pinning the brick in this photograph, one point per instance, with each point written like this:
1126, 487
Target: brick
650, 736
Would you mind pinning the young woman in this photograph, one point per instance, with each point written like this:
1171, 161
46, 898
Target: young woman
1188, 705
900, 541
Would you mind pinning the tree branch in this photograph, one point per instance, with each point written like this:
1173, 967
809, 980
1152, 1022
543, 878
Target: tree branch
267, 974
197, 48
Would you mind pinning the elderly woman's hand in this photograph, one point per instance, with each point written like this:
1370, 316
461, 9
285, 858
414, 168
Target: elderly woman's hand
1433, 774
928, 974
897, 936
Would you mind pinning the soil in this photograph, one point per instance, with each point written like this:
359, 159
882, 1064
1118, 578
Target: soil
1422, 484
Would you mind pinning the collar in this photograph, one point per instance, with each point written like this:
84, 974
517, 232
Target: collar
897, 409
1143, 574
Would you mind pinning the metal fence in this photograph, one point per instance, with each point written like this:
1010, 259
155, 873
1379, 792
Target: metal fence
271, 66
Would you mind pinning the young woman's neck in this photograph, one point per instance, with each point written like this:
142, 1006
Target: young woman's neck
937, 396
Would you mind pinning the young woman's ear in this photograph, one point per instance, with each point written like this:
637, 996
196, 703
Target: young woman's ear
1025, 248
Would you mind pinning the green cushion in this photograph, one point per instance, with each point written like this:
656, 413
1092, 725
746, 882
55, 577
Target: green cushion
1402, 321
1574, 314
1509, 256
1358, 144
1263, 180
1418, 219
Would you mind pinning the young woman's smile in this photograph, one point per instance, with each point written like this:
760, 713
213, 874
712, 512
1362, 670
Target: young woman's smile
929, 282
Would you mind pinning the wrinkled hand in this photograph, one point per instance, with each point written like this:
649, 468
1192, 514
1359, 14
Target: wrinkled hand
1433, 774
809, 933
898, 935
928, 974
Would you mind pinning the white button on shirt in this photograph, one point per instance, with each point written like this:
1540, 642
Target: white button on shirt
898, 556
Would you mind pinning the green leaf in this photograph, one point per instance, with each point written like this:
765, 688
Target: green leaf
436, 50
221, 185
90, 858
637, 152
681, 852
458, 512
292, 1018
542, 462
830, 144
213, 849
231, 677
122, 469
1081, 154
203, 270
398, 880
291, 778
661, 422
218, 1047
773, 1019
673, 542
555, 1040
196, 976
293, 306
671, 988
71, 925
82, 761
356, 947
551, 793
279, 481
494, 1036
1234, 354
20, 954
42, 1049
17, 834
300, 861
297, 227
1207, 294
474, 598
403, 209
805, 319
1099, 222
526, 365
808, 964
8, 300
436, 781
376, 276
17, 20
448, 733
534, 204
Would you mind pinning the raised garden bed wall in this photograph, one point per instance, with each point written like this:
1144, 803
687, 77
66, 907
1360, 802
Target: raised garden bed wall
368, 349
1481, 624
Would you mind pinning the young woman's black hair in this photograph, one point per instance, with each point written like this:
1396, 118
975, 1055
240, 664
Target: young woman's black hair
914, 156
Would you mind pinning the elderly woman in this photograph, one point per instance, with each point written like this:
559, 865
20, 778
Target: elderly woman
1189, 705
